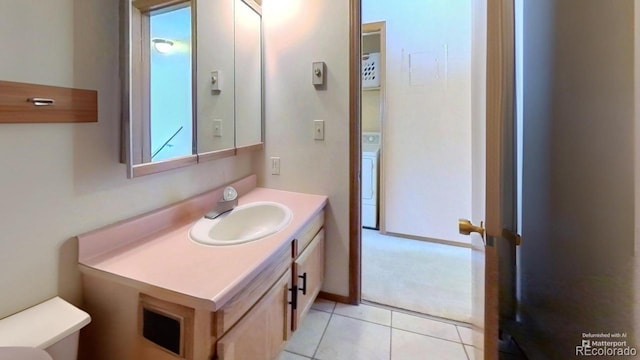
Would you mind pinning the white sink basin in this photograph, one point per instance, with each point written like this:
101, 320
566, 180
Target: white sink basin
245, 223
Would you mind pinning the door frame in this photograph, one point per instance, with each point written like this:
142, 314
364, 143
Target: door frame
355, 152
485, 337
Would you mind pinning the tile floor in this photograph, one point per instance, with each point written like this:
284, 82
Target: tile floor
345, 332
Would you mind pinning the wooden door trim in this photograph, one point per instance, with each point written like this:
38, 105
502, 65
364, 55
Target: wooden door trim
355, 157
355, 152
499, 99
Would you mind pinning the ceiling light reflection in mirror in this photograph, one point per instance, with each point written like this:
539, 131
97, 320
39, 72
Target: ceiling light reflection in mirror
163, 46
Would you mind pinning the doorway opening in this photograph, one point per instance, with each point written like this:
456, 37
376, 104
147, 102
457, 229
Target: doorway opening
416, 156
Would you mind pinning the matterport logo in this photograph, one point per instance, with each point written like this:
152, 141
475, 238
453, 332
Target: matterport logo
605, 344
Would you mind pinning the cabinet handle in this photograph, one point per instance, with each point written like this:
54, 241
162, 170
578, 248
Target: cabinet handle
41, 101
294, 297
304, 283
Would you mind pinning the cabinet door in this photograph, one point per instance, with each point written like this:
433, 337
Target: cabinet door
263, 331
309, 275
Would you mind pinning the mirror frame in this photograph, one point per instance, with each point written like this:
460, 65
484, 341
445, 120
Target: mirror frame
129, 96
257, 7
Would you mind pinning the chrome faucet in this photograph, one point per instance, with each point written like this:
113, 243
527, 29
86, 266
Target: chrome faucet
227, 203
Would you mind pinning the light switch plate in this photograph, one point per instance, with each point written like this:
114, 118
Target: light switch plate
318, 73
318, 129
216, 81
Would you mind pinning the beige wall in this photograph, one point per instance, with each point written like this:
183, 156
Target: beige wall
297, 33
577, 265
426, 126
60, 180
370, 111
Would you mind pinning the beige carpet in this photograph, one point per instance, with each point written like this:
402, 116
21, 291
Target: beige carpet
415, 275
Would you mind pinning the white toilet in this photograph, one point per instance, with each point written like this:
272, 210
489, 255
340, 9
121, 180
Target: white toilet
53, 326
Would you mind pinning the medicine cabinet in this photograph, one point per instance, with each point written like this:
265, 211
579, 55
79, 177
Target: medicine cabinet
192, 83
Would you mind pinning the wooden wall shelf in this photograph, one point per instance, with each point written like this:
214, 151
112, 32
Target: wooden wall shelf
18, 105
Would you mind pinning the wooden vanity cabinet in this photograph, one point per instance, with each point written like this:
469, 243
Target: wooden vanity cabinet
308, 271
307, 267
263, 332
235, 309
254, 324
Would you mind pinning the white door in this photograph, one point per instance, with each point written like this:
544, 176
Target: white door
493, 167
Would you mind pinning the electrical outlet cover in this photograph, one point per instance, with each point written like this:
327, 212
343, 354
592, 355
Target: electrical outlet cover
217, 128
275, 165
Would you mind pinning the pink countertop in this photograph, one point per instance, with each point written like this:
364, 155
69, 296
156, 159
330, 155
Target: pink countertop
169, 263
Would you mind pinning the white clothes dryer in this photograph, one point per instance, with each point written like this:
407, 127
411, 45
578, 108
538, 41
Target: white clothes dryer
370, 178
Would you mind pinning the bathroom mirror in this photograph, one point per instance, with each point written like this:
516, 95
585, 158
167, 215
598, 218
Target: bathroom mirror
192, 90
248, 69
215, 78
157, 103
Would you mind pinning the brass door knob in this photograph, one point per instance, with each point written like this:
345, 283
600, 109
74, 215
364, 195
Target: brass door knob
465, 227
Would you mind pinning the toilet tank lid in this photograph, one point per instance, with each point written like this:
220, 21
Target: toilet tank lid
23, 353
42, 325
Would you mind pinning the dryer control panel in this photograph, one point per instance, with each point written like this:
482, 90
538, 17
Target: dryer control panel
370, 138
